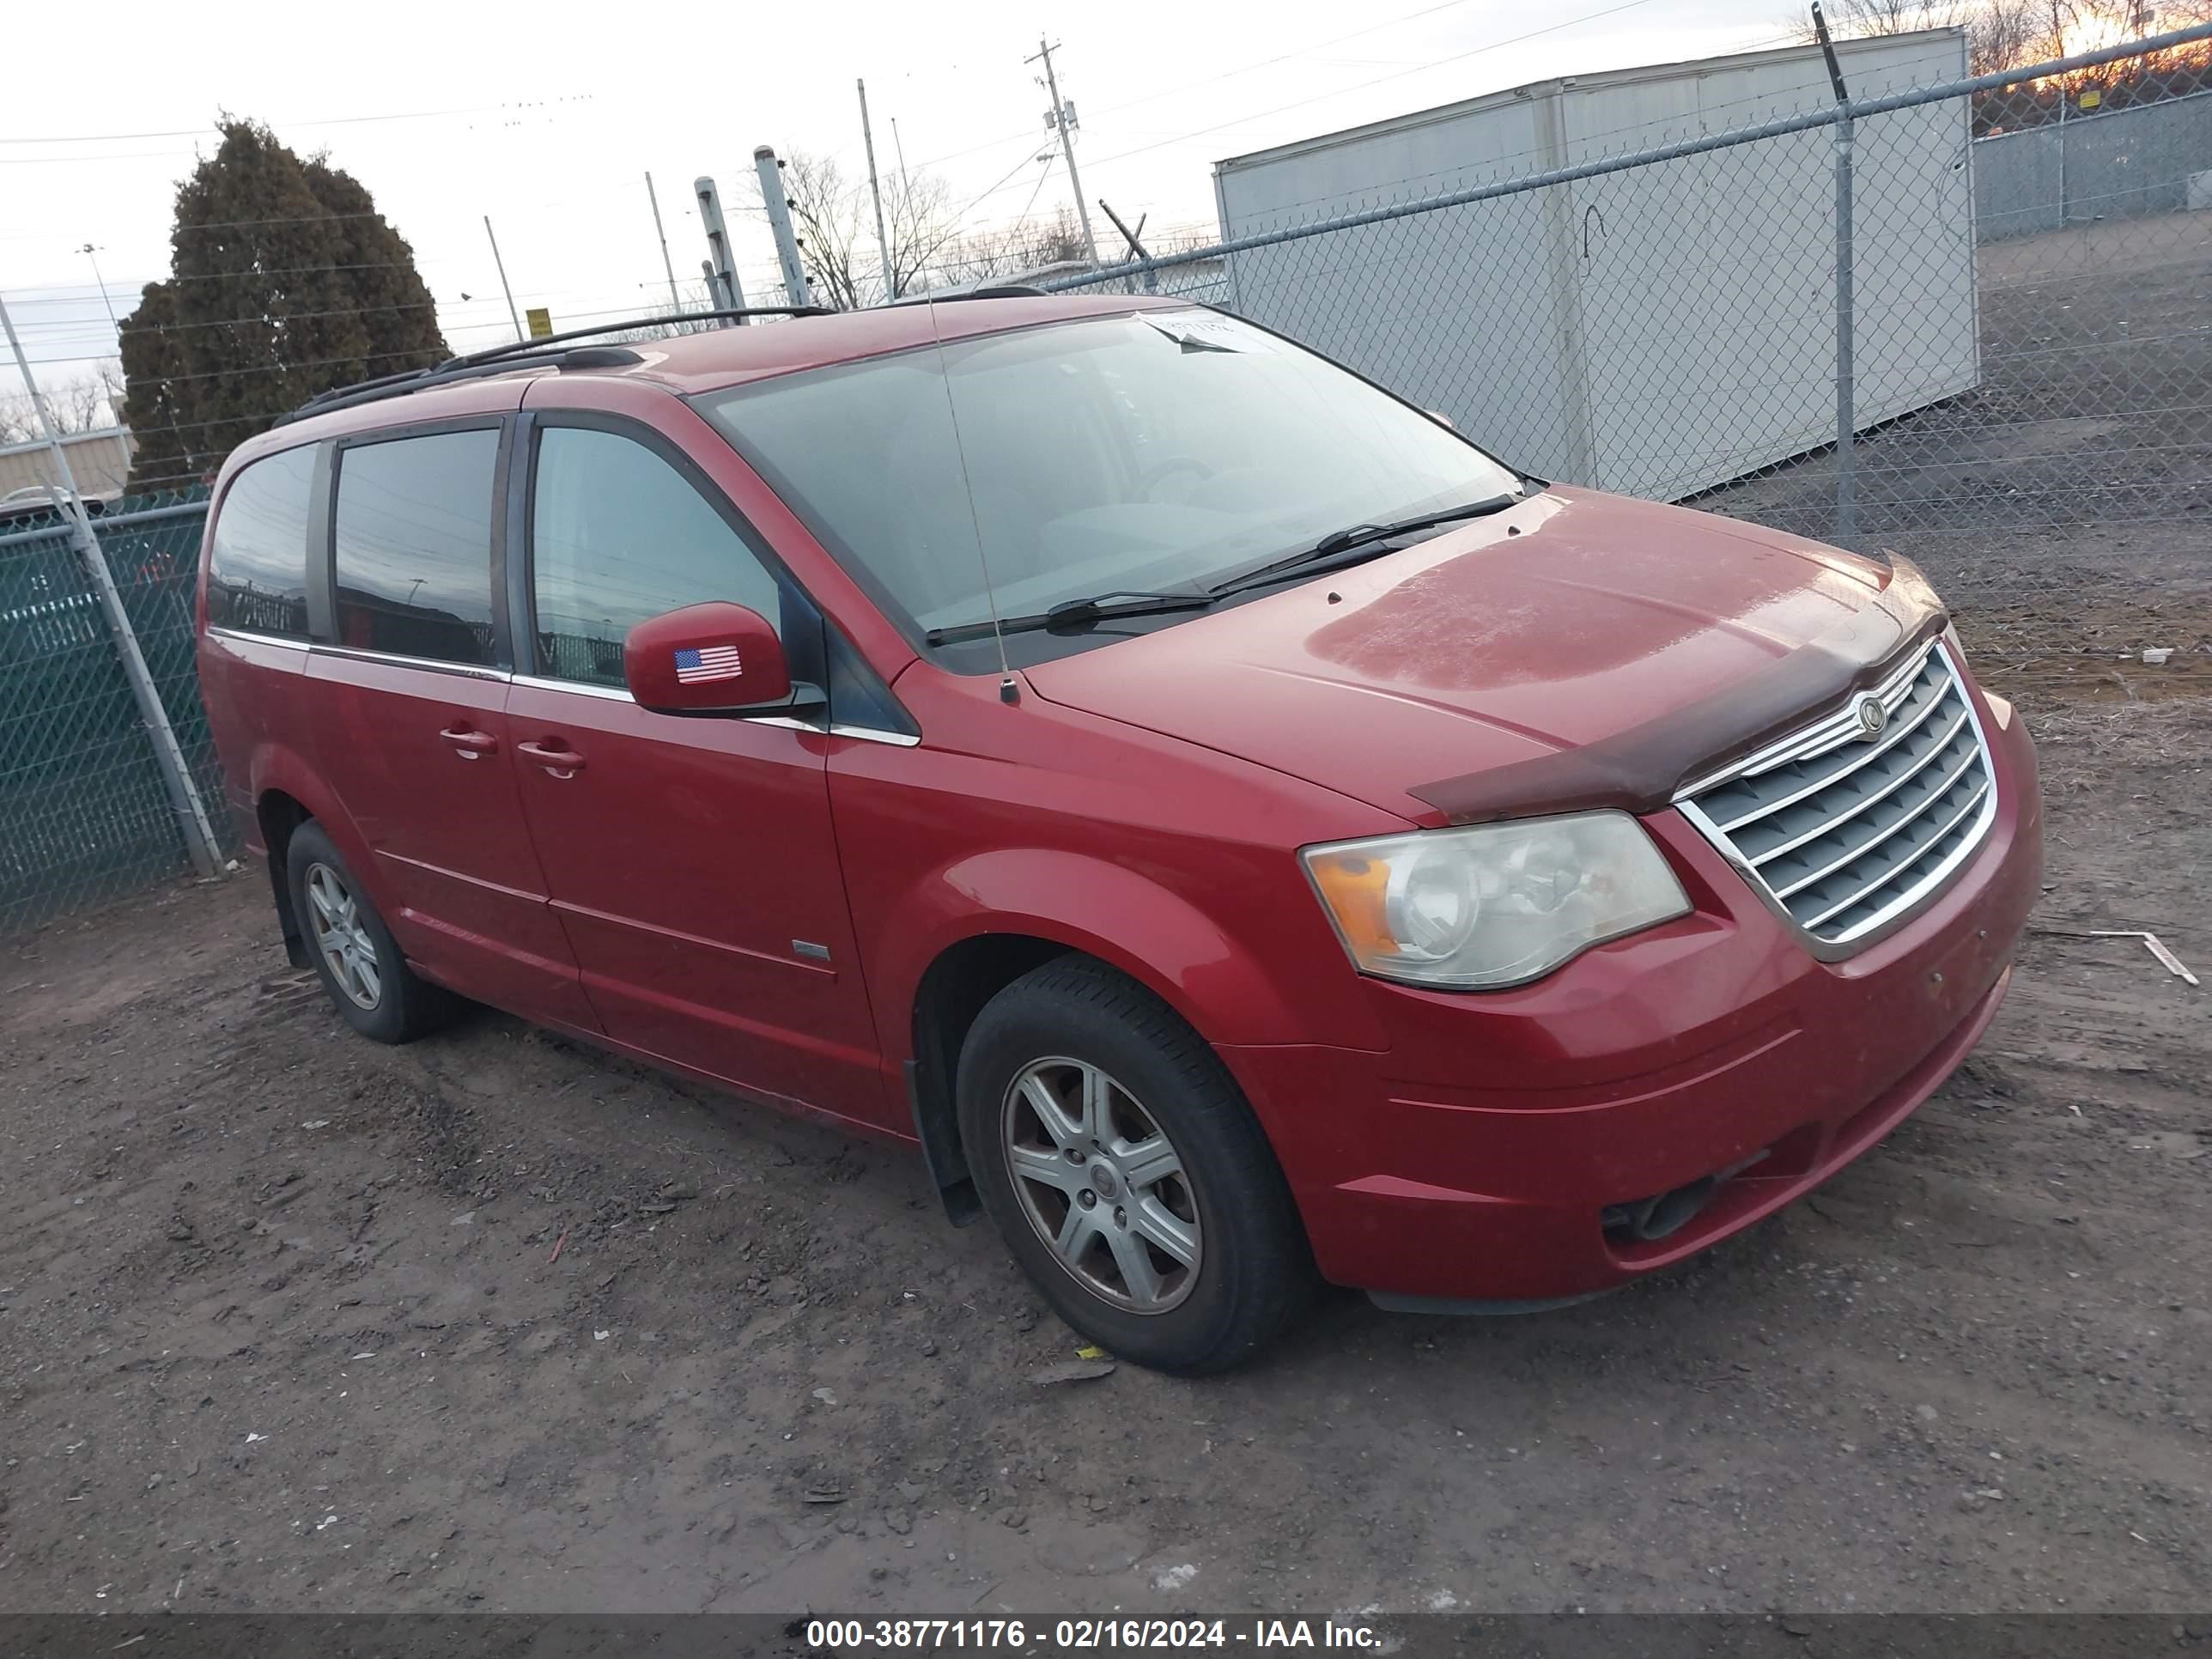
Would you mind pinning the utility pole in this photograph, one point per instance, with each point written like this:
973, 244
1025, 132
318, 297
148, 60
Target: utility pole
169, 757
675, 300
513, 316
779, 220
883, 242
1060, 117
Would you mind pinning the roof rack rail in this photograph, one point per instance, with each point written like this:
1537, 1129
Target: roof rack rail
994, 291
398, 386
525, 353
491, 353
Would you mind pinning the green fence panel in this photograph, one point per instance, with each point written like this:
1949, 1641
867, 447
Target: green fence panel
84, 815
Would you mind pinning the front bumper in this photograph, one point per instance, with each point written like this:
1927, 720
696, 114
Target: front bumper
1475, 1159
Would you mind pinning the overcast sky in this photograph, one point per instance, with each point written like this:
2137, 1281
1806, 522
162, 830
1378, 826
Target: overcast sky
547, 118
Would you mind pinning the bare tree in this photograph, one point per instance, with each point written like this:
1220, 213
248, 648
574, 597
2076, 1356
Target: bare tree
692, 296
2008, 34
1999, 33
86, 403
1015, 249
833, 219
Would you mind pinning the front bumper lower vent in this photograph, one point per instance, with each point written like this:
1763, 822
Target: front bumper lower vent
1850, 825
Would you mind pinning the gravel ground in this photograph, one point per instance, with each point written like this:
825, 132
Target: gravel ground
2078, 474
289, 1321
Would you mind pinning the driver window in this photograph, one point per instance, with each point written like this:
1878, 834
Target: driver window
618, 535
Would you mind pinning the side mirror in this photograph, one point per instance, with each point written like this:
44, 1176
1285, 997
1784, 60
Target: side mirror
1440, 418
712, 659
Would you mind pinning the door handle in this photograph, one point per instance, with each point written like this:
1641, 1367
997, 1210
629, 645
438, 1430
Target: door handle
469, 746
560, 762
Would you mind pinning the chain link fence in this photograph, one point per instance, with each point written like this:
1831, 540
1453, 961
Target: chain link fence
1650, 305
84, 814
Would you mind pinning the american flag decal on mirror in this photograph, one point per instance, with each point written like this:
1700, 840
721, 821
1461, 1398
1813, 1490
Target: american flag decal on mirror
707, 662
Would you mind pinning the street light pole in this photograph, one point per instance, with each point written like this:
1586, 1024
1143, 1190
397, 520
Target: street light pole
87, 250
513, 316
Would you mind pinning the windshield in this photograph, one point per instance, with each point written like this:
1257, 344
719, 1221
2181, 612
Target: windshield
1166, 449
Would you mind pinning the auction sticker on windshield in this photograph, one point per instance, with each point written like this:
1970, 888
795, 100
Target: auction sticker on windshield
1206, 333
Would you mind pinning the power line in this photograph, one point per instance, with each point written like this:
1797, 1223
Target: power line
1228, 74
1022, 217
1360, 86
203, 277
318, 121
994, 189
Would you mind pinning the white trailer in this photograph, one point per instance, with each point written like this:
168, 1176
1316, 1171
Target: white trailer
1656, 330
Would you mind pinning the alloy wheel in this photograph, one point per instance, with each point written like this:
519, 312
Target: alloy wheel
342, 937
1102, 1185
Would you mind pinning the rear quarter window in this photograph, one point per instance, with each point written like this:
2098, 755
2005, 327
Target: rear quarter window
257, 560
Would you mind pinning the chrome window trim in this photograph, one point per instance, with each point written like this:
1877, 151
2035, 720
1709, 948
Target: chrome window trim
581, 688
1907, 904
584, 688
875, 735
224, 631
864, 733
470, 671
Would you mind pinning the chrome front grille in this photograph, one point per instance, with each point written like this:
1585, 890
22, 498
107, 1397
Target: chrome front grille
1845, 833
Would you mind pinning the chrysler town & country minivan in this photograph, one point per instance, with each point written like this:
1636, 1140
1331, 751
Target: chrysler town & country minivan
1243, 833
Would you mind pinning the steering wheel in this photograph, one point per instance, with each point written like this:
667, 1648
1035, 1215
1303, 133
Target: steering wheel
1154, 476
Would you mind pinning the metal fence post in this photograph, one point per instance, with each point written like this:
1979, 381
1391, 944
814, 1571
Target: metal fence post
1846, 528
2064, 98
169, 755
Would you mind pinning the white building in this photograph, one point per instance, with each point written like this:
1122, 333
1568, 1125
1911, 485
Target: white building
1654, 331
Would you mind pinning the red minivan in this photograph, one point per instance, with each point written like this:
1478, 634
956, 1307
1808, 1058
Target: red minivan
1243, 832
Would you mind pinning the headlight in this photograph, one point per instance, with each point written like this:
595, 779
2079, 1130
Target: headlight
1496, 904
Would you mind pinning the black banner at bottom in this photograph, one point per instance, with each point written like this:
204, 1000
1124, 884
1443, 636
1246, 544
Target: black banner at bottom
829, 1636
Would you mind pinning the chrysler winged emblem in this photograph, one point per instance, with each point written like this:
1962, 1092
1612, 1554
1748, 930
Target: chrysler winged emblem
1872, 716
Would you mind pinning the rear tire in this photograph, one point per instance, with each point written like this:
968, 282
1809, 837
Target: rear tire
1126, 1172
362, 967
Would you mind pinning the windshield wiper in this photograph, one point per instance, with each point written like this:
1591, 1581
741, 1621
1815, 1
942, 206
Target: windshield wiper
1363, 535
1072, 613
1119, 603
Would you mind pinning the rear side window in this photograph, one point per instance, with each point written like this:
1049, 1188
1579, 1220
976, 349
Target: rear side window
618, 535
414, 546
258, 565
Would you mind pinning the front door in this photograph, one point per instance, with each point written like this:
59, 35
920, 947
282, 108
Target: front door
690, 860
407, 712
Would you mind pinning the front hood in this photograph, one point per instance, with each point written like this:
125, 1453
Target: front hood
1577, 650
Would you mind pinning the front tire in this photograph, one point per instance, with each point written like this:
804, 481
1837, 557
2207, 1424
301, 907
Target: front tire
361, 965
1126, 1172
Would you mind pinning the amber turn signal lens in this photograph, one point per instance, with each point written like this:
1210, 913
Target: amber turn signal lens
1356, 887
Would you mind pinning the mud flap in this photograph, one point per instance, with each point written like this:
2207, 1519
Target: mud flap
941, 1152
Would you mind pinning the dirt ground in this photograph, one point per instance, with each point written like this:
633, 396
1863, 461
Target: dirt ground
289, 1321
2065, 506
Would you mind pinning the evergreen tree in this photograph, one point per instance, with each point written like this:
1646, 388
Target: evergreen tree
284, 282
